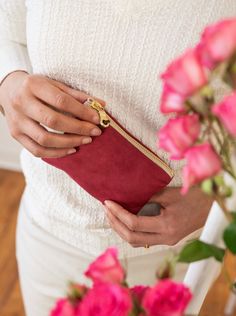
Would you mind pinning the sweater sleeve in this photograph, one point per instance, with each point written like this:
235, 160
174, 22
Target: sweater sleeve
13, 49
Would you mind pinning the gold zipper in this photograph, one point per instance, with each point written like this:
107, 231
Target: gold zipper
106, 120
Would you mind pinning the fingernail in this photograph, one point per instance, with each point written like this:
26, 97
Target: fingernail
86, 140
96, 132
107, 203
71, 151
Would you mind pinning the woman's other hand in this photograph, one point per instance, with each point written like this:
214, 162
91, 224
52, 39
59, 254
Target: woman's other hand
29, 100
180, 216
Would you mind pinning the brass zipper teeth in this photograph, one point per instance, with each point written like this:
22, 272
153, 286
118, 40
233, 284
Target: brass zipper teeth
142, 148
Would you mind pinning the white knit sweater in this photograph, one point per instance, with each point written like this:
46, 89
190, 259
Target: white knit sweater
111, 49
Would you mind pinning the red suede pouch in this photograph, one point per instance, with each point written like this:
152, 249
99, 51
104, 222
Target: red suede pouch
116, 166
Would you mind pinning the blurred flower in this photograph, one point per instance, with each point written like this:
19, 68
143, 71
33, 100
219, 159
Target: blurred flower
138, 292
185, 75
202, 163
171, 101
179, 134
226, 111
106, 299
106, 268
64, 308
218, 43
166, 298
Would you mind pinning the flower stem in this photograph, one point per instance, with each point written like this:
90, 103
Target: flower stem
225, 145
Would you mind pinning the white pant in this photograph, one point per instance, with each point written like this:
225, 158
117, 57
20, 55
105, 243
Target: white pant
47, 264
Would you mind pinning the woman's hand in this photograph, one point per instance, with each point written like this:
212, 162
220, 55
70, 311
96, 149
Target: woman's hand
180, 216
29, 100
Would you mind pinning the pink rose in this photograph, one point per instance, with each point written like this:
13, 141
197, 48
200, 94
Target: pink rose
138, 292
226, 111
106, 299
171, 101
218, 43
185, 75
202, 163
64, 308
166, 298
106, 268
179, 134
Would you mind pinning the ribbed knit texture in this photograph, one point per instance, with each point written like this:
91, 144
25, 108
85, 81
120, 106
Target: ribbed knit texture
111, 49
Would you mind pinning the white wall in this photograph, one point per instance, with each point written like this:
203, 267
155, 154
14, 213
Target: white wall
9, 148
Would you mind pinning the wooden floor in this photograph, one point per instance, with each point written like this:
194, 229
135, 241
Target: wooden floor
11, 187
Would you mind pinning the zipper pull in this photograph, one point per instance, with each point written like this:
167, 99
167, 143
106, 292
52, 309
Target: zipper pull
104, 119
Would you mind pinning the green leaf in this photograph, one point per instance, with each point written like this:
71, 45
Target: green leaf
207, 186
233, 67
219, 180
199, 250
230, 237
234, 216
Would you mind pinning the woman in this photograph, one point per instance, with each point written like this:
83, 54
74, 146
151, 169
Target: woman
54, 55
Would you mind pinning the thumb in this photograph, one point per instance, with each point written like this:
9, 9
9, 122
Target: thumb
166, 196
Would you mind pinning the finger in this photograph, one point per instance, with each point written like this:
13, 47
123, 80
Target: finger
47, 139
43, 152
58, 121
77, 94
136, 239
151, 224
52, 95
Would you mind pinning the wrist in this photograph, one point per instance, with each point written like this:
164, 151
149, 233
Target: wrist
8, 85
12, 74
